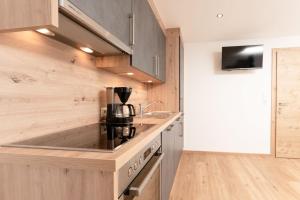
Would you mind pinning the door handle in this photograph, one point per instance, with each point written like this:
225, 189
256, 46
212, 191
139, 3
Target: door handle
282, 104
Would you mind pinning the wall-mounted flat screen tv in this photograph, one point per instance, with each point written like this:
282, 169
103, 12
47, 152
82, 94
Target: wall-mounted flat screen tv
242, 57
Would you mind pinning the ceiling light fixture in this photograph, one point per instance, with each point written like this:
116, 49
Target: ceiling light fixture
220, 15
87, 50
45, 32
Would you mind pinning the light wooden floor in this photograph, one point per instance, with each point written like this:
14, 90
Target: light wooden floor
209, 176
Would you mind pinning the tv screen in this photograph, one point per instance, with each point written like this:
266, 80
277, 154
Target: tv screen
242, 57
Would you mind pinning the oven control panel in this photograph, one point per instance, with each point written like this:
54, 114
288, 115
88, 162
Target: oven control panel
131, 169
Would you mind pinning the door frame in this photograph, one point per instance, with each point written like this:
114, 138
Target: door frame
274, 97
274, 102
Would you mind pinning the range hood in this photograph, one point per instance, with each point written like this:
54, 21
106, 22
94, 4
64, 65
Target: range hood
80, 31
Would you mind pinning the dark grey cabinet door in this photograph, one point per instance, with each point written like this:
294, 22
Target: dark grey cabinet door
113, 15
161, 53
144, 47
172, 146
178, 141
176, 146
168, 167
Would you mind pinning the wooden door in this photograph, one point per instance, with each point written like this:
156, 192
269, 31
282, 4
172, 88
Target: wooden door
288, 103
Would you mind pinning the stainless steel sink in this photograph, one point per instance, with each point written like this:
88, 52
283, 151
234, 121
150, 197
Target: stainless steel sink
158, 114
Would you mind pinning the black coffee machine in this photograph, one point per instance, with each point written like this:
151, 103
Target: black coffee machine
118, 112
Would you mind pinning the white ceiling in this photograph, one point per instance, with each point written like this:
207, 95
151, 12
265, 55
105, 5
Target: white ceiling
243, 19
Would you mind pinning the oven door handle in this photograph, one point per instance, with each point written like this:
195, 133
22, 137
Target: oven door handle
136, 190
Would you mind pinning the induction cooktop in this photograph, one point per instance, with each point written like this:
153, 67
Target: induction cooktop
94, 137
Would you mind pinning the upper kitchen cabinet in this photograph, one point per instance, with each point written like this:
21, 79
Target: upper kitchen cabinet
148, 42
161, 54
112, 15
26, 14
144, 48
148, 60
98, 27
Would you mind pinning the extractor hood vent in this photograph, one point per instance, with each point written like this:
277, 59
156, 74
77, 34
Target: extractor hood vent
74, 34
77, 29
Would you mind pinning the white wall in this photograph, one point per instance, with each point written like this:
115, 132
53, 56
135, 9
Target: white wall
228, 111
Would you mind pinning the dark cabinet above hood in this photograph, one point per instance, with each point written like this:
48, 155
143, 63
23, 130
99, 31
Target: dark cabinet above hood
79, 30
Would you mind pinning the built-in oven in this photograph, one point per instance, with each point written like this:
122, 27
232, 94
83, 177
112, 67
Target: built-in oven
140, 178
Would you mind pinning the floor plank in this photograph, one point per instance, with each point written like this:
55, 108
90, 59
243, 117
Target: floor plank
213, 176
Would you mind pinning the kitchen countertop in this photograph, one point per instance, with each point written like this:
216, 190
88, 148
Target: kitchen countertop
87, 160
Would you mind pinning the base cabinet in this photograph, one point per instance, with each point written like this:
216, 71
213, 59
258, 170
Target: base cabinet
168, 167
172, 146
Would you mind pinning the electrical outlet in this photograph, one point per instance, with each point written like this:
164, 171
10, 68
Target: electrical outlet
103, 113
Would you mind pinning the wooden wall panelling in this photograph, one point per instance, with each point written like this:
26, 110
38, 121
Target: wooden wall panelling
28, 14
168, 93
26, 182
47, 86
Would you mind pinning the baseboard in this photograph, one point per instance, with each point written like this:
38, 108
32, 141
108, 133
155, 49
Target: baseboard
225, 153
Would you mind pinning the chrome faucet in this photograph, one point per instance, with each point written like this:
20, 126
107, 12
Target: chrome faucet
143, 108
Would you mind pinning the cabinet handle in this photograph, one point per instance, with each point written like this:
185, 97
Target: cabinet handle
132, 29
157, 64
154, 65
170, 127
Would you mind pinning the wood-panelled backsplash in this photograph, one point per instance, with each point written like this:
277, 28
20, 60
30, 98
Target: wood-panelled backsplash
47, 86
